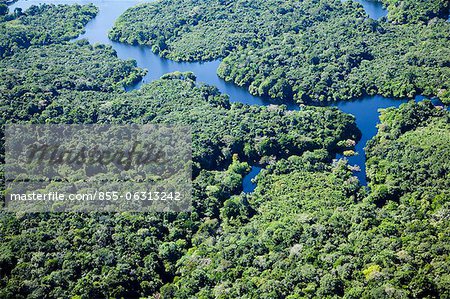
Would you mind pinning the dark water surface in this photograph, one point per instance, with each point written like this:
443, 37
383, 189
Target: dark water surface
365, 110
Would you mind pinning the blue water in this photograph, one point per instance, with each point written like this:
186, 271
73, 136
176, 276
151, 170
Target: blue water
367, 117
247, 184
365, 110
374, 9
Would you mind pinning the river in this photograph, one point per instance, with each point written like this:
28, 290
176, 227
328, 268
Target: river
365, 109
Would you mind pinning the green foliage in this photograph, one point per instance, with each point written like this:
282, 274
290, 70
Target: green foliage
412, 11
3, 9
65, 255
43, 25
309, 230
313, 233
309, 51
264, 132
132, 255
290, 246
33, 78
408, 173
410, 152
372, 272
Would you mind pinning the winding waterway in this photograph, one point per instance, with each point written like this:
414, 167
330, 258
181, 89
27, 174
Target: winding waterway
365, 109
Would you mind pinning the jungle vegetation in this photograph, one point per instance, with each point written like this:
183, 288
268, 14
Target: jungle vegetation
132, 255
32, 78
42, 25
306, 51
410, 11
308, 231
58, 255
409, 152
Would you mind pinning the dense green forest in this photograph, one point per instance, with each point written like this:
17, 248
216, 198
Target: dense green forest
309, 51
131, 255
42, 25
256, 134
409, 153
32, 79
149, 245
411, 11
309, 230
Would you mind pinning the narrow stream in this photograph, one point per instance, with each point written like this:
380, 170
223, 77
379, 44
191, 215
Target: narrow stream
248, 185
365, 109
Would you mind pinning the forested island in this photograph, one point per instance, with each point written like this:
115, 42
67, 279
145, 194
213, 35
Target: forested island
308, 51
310, 229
